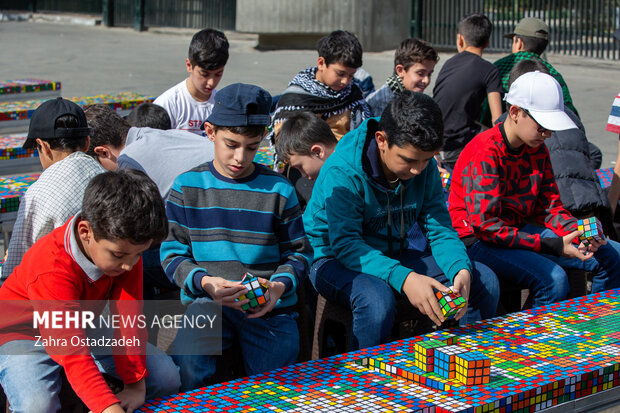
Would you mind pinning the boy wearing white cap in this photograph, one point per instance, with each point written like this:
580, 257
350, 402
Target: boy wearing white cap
505, 204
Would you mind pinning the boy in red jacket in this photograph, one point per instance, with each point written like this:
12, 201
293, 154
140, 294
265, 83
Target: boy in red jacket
94, 256
506, 207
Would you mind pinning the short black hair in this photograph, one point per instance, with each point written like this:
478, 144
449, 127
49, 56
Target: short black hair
299, 132
476, 29
208, 49
412, 51
526, 66
125, 205
149, 115
341, 46
67, 144
413, 118
249, 131
533, 44
108, 126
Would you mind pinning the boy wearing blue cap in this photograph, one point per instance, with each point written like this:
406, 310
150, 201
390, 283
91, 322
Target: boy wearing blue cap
229, 217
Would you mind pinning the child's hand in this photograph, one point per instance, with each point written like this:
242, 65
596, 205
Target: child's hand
224, 292
569, 249
462, 285
594, 245
419, 290
115, 408
132, 396
276, 289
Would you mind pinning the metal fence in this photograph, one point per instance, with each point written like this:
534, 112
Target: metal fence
219, 14
578, 27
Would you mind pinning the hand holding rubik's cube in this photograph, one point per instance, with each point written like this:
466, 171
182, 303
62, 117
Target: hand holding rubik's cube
592, 230
450, 303
257, 293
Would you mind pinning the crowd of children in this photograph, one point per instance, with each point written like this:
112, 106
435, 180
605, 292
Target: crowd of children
183, 206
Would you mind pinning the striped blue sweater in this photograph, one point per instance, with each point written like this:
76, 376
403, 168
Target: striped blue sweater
224, 227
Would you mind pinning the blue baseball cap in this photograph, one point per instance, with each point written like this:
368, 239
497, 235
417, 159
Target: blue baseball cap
240, 104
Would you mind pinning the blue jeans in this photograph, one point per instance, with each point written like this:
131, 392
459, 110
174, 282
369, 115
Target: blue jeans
31, 379
267, 343
372, 300
544, 274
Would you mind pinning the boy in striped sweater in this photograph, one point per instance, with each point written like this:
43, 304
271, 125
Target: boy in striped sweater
232, 216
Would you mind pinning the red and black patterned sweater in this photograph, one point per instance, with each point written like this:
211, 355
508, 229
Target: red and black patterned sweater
497, 188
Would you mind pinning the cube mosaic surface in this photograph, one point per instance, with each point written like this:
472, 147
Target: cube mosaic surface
592, 230
257, 293
11, 87
12, 188
23, 110
449, 303
11, 148
539, 358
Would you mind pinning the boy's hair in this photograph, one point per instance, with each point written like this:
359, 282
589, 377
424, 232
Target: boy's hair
125, 205
413, 118
341, 46
533, 44
66, 144
476, 29
526, 66
299, 132
412, 51
249, 131
208, 49
108, 126
149, 115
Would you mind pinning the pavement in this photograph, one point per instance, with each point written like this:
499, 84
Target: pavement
91, 60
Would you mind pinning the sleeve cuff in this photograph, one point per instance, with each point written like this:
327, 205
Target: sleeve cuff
551, 246
288, 283
197, 280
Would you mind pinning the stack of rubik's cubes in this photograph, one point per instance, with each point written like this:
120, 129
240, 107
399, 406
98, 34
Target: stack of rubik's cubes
257, 293
472, 368
449, 303
592, 230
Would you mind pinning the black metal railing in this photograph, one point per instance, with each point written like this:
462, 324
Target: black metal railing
578, 27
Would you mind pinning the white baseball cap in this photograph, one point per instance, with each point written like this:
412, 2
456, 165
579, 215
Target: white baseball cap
541, 95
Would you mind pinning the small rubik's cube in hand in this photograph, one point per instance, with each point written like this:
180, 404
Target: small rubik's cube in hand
446, 181
473, 368
449, 303
592, 230
257, 293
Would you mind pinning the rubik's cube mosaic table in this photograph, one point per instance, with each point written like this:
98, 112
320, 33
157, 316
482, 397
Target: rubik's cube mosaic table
11, 148
539, 358
15, 115
12, 188
28, 89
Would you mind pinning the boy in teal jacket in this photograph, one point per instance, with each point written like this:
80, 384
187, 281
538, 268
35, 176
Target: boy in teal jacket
366, 198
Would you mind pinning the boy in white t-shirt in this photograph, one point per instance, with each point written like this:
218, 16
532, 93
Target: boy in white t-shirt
190, 102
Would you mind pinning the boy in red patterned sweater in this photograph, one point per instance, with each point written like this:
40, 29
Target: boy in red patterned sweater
505, 204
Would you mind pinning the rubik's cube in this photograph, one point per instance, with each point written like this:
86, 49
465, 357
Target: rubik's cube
472, 368
257, 293
425, 354
446, 181
445, 360
449, 303
592, 230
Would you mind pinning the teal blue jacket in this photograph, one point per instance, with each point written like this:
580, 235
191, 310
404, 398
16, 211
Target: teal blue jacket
347, 216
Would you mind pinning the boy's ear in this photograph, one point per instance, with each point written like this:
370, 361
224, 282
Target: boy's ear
513, 113
400, 70
460, 41
210, 131
84, 231
44, 148
102, 151
381, 139
517, 44
320, 62
188, 65
317, 150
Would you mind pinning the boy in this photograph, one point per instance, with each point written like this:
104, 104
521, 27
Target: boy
161, 154
149, 115
464, 81
59, 131
529, 41
243, 218
327, 89
504, 180
94, 256
369, 194
190, 102
414, 63
304, 143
